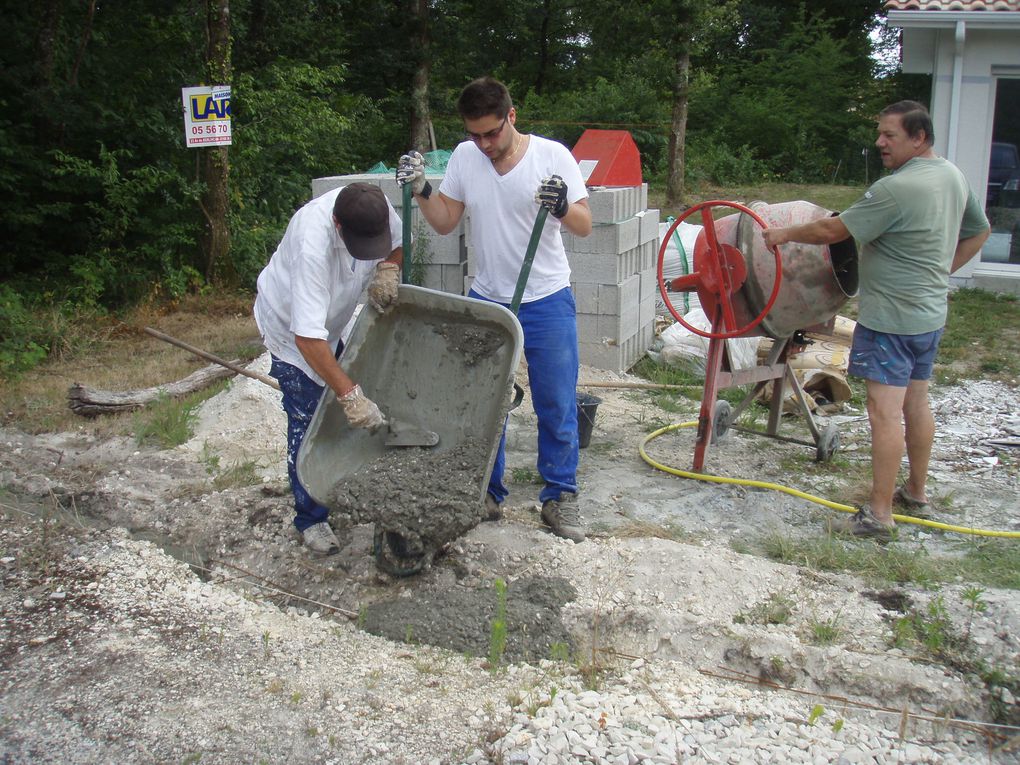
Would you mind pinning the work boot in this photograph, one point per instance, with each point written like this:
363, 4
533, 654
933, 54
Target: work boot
493, 509
563, 517
320, 539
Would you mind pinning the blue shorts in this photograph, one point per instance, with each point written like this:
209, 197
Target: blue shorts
893, 359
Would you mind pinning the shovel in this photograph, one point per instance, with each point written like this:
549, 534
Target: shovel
398, 433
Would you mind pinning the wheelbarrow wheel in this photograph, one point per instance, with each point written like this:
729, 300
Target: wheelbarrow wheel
396, 555
828, 443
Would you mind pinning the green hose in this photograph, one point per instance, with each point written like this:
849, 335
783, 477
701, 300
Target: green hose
683, 261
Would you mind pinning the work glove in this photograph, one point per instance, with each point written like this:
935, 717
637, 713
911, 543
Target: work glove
382, 292
552, 195
411, 169
360, 411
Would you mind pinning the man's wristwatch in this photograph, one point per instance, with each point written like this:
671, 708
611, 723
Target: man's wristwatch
426, 190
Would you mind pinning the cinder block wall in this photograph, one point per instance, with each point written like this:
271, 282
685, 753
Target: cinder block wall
612, 270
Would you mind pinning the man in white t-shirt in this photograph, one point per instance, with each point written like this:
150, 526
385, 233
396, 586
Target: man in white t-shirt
501, 177
334, 247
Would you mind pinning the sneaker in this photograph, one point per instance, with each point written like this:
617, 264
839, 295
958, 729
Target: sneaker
320, 539
493, 509
864, 524
563, 517
909, 505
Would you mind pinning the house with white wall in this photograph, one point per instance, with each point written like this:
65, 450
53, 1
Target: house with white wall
972, 50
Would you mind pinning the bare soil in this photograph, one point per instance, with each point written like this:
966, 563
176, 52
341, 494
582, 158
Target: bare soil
153, 611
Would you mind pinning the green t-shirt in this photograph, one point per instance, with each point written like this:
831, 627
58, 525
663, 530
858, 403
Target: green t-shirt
907, 226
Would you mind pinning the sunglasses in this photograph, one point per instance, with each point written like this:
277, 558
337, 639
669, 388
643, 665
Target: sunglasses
490, 134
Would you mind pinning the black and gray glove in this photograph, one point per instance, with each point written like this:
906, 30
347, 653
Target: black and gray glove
552, 195
411, 169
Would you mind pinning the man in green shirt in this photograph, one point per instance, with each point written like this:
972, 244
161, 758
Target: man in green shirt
914, 227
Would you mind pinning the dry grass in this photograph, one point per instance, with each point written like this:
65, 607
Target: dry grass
115, 354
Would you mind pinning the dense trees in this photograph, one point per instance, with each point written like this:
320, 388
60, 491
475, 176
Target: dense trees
103, 205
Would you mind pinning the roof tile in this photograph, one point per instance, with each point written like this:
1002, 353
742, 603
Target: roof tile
953, 5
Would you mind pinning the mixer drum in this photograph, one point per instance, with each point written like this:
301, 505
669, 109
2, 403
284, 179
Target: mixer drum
817, 279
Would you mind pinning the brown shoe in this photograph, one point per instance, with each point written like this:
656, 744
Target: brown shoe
563, 517
909, 505
865, 525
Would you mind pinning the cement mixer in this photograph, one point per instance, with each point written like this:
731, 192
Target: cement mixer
746, 290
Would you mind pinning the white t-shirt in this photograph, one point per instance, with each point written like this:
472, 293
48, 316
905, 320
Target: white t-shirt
312, 283
502, 209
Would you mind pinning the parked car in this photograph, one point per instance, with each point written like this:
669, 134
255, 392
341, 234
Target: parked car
1004, 162
1009, 194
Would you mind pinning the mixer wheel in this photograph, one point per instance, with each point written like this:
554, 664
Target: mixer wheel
721, 420
828, 443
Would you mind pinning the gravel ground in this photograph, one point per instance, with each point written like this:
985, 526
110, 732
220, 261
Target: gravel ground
152, 612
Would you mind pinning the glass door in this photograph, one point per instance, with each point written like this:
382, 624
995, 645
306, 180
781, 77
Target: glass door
1002, 196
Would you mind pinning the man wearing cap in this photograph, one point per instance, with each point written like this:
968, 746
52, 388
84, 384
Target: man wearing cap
334, 247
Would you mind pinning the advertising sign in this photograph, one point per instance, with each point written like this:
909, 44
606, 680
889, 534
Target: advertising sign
206, 115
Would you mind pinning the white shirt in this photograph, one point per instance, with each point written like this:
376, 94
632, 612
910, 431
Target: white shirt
502, 209
312, 283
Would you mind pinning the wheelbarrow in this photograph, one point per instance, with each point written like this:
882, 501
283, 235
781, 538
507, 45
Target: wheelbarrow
443, 363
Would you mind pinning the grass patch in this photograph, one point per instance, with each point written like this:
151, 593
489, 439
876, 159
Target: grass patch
166, 423
985, 562
633, 529
976, 343
113, 353
777, 608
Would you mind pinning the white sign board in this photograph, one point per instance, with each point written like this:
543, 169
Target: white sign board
587, 167
206, 115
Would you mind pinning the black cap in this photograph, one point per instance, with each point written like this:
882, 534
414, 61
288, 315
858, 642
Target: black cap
364, 218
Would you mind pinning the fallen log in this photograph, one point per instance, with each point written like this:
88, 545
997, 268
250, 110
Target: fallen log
90, 402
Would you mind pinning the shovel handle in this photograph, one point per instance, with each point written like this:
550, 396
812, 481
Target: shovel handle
405, 230
210, 357
529, 258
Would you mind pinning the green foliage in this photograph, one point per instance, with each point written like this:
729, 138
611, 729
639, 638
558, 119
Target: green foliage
20, 345
498, 627
167, 423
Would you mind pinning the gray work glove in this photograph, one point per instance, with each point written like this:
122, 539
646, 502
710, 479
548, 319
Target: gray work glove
552, 195
411, 169
360, 411
382, 292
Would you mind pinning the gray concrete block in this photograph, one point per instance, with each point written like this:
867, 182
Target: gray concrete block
617, 298
646, 311
611, 204
586, 296
649, 226
649, 284
620, 326
588, 329
607, 238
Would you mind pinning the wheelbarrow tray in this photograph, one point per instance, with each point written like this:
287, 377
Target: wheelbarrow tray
441, 362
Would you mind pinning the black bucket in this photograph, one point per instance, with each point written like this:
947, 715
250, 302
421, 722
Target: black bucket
587, 405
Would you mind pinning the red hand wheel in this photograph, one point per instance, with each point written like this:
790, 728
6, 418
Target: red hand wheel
721, 273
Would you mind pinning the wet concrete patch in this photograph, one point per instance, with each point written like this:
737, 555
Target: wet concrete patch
460, 619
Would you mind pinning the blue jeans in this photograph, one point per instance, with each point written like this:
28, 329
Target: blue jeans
550, 347
300, 398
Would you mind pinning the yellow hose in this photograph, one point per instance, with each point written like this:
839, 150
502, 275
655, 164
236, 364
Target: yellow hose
801, 494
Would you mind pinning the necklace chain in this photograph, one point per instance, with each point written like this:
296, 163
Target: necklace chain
517, 145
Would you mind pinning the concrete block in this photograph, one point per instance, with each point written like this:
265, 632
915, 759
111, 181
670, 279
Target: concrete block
443, 249
649, 226
620, 326
385, 181
646, 312
649, 284
586, 296
615, 299
588, 328
607, 238
611, 204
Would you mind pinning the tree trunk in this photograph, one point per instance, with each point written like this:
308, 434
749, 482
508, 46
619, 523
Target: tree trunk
215, 162
678, 128
420, 116
90, 402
